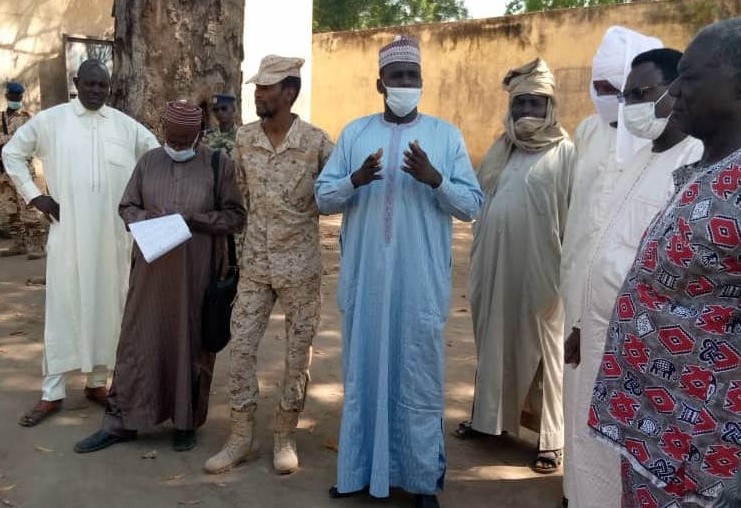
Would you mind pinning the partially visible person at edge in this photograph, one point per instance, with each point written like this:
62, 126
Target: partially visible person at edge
597, 168
642, 189
224, 136
668, 393
162, 371
513, 283
280, 156
24, 224
89, 151
398, 178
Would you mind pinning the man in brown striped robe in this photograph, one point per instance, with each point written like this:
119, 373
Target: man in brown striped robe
162, 372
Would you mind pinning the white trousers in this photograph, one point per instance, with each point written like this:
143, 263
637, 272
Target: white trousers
54, 386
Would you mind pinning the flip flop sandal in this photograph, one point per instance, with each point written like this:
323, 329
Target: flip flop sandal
548, 462
465, 431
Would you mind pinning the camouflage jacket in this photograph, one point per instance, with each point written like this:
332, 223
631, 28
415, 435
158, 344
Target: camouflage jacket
281, 242
218, 140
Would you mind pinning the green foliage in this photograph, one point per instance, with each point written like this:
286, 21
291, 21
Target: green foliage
520, 6
333, 15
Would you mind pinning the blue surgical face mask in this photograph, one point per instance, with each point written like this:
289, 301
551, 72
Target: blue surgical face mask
14, 105
181, 155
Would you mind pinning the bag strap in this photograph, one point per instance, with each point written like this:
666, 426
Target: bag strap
231, 245
5, 124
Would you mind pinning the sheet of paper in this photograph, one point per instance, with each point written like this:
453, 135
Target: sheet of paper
157, 237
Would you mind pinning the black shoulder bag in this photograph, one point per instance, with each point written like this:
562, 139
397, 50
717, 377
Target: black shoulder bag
220, 294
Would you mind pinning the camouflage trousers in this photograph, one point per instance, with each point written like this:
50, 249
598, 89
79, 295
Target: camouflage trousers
26, 225
254, 303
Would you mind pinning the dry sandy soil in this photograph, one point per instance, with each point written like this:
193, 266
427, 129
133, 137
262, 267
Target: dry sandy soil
39, 469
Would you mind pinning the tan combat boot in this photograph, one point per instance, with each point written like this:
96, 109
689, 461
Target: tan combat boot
240, 447
285, 458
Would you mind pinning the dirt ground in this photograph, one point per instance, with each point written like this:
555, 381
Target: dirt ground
39, 469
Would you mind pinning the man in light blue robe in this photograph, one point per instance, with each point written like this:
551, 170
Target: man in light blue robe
398, 178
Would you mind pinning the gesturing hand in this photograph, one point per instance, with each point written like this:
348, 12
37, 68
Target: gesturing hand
369, 170
417, 164
47, 206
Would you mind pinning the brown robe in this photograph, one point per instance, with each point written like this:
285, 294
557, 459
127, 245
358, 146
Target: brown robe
161, 370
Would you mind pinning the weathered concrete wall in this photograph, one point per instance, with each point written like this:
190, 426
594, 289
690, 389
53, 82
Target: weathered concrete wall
32, 45
463, 63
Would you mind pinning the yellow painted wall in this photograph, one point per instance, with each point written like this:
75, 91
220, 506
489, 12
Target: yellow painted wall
463, 63
31, 42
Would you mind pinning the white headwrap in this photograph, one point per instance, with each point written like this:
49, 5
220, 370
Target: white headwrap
611, 63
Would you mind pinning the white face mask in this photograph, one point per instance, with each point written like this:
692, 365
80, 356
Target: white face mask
607, 106
181, 155
14, 105
641, 121
402, 101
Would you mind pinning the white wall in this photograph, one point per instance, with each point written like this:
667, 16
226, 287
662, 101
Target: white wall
280, 27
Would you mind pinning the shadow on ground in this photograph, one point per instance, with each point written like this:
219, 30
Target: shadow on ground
38, 468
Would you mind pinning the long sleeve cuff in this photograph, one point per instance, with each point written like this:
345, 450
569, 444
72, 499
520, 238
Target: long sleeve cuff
29, 191
345, 188
331, 197
444, 188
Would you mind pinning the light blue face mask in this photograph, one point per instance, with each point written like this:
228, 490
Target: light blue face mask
181, 155
14, 105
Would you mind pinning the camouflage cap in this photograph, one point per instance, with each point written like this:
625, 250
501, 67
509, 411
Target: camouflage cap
274, 69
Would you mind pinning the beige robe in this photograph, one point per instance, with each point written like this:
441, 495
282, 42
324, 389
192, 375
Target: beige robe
88, 157
513, 284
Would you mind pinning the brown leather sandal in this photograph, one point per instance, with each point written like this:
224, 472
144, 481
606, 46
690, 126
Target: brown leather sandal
40, 412
465, 431
548, 462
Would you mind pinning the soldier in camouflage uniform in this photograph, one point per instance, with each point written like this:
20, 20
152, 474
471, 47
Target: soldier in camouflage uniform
224, 136
24, 224
280, 158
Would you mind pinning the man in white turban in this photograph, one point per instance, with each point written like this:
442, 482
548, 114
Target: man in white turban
597, 140
513, 283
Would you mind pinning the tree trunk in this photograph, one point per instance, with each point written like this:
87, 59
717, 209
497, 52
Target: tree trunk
174, 49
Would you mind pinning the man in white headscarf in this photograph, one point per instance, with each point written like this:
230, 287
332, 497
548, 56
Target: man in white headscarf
513, 283
596, 175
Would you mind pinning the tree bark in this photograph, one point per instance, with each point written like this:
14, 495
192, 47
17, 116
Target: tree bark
174, 49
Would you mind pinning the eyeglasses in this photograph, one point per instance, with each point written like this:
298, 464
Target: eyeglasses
220, 108
636, 93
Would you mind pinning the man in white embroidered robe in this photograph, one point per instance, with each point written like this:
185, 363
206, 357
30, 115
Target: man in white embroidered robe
88, 151
641, 191
597, 171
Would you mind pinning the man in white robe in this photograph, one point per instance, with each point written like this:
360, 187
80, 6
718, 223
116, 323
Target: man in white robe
89, 151
515, 257
641, 189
